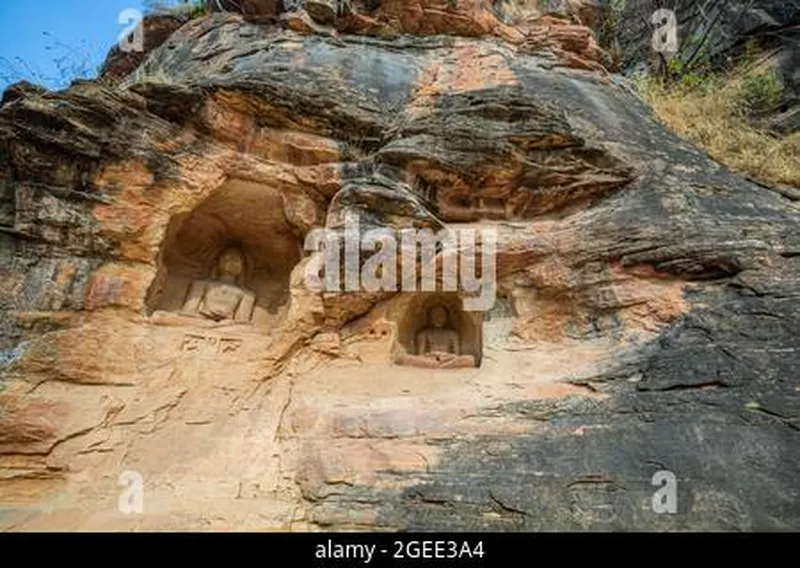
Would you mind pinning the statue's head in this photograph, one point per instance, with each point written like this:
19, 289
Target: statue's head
438, 315
231, 263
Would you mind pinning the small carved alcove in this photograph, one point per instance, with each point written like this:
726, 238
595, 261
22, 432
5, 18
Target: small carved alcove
499, 322
434, 331
228, 259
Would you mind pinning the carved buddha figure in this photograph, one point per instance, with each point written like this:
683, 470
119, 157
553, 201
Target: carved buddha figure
223, 298
438, 345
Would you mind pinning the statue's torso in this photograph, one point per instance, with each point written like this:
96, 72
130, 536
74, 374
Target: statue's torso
221, 300
438, 340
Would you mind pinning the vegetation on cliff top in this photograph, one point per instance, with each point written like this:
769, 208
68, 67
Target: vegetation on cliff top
719, 112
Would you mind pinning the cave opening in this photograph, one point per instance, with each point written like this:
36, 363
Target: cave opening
229, 258
435, 331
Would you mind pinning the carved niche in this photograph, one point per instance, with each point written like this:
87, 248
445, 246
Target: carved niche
436, 333
229, 259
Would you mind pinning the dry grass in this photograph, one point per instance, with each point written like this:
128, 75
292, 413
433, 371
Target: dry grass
711, 113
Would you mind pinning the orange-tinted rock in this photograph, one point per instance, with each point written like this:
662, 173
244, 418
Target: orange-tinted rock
155, 31
645, 312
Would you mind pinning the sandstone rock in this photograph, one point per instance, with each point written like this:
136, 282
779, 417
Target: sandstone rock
575, 44
155, 30
323, 11
254, 10
646, 317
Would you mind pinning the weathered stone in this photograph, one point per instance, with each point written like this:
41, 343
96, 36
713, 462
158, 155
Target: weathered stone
322, 11
254, 10
646, 318
155, 29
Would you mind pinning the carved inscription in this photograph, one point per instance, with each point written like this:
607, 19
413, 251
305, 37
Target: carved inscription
209, 345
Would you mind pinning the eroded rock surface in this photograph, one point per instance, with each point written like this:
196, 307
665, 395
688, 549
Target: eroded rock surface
647, 314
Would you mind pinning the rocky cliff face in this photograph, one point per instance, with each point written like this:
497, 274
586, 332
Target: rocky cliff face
646, 319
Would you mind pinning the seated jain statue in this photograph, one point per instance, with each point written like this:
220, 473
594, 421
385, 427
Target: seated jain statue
222, 298
438, 346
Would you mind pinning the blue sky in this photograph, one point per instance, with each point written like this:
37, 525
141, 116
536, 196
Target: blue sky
36, 34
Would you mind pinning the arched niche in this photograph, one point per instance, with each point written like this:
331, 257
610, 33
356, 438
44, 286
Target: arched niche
239, 216
415, 318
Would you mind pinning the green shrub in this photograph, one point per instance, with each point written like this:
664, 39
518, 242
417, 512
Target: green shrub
608, 32
759, 92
